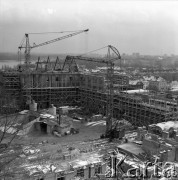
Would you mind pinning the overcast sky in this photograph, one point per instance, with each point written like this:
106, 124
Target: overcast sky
147, 27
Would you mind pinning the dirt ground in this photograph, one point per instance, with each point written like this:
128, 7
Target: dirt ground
87, 131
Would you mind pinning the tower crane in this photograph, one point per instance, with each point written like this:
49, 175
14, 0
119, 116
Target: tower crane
25, 44
109, 61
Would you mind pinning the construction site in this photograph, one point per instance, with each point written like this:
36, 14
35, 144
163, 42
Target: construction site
63, 84
53, 85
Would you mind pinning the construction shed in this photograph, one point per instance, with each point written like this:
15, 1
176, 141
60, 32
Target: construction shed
46, 126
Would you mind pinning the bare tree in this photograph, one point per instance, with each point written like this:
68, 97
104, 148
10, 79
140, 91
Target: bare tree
10, 126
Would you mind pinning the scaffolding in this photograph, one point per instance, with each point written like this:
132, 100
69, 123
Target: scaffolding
140, 113
88, 90
47, 88
11, 82
10, 92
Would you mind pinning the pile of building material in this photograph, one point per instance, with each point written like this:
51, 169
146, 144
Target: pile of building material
54, 160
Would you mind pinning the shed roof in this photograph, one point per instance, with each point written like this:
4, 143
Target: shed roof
165, 126
132, 149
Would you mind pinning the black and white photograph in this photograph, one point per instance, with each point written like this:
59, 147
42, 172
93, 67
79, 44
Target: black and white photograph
88, 90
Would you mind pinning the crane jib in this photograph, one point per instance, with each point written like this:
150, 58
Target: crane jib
60, 38
26, 44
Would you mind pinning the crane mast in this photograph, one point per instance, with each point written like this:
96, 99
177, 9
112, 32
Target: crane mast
109, 61
28, 47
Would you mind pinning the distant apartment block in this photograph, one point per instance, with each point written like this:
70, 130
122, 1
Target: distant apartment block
158, 85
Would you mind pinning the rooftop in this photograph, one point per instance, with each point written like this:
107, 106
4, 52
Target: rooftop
136, 91
165, 126
132, 149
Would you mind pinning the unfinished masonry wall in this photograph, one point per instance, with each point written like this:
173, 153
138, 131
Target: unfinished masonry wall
52, 88
86, 90
49, 79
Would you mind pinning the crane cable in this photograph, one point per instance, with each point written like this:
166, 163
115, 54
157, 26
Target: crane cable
55, 32
93, 51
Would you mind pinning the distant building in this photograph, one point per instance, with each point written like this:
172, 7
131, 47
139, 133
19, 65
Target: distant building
145, 84
136, 54
135, 84
158, 85
174, 85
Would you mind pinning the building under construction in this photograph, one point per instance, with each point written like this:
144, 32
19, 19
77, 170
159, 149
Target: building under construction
99, 93
90, 91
